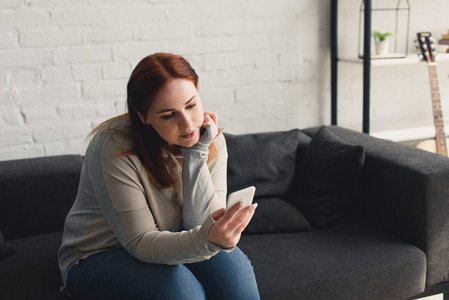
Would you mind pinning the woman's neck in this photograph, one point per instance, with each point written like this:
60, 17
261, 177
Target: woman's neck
174, 149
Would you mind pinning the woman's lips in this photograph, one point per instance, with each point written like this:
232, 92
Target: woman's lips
188, 135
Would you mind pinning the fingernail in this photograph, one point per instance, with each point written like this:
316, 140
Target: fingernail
254, 205
241, 203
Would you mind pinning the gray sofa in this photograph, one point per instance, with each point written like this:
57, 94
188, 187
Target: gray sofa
341, 215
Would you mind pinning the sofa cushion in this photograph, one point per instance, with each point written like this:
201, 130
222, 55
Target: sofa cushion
327, 263
32, 272
265, 160
275, 215
329, 178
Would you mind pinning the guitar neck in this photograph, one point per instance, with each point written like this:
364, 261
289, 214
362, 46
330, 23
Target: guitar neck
440, 135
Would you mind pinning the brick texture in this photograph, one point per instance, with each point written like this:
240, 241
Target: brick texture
263, 66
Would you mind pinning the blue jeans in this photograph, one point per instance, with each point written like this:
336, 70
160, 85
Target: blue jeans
116, 274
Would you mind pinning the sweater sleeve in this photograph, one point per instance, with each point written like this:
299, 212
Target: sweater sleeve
203, 186
123, 202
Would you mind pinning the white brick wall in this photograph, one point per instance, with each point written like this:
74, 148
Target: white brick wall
64, 64
263, 66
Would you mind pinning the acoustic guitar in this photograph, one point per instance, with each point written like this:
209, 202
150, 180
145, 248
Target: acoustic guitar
439, 144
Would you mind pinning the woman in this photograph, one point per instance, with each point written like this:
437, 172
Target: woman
149, 221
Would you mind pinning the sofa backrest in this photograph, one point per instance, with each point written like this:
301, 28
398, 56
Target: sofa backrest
36, 194
265, 160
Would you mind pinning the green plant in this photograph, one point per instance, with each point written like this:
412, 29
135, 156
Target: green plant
378, 36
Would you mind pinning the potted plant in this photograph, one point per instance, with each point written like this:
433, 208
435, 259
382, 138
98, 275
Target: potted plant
382, 43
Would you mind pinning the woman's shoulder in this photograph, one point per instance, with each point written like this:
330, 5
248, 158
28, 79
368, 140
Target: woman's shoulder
220, 141
115, 133
219, 146
119, 125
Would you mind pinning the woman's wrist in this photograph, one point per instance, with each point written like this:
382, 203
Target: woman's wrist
204, 141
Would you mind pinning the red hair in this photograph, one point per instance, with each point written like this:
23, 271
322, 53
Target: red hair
150, 74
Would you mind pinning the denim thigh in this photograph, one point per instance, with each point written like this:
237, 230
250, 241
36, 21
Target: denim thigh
116, 274
227, 275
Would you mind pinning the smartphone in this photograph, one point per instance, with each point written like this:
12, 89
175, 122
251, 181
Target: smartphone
245, 195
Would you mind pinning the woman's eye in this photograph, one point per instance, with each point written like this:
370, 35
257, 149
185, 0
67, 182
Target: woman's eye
168, 116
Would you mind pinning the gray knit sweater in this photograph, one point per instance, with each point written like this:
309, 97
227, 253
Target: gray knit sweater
118, 206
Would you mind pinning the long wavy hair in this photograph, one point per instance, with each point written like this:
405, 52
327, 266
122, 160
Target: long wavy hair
152, 73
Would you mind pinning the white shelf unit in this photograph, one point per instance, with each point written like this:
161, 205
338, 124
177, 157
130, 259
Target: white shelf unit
413, 132
409, 59
407, 134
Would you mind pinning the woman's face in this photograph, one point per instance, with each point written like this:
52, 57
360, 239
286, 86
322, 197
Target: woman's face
176, 113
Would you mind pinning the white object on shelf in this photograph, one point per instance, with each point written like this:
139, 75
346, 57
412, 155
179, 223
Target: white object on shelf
382, 47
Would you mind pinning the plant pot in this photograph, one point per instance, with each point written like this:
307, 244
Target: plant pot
382, 47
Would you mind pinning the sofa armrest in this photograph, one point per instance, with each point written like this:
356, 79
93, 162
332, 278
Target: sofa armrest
37, 193
406, 191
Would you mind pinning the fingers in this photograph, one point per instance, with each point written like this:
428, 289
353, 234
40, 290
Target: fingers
211, 116
216, 215
248, 219
237, 217
212, 120
232, 212
242, 220
227, 230
209, 121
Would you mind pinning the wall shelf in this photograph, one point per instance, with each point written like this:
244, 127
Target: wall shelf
407, 134
409, 59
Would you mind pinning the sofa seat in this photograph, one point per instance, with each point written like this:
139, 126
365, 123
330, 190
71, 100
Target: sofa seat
33, 268
351, 255
323, 264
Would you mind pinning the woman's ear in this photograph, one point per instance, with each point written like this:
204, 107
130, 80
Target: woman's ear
142, 119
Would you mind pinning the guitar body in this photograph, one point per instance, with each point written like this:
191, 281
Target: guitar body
429, 145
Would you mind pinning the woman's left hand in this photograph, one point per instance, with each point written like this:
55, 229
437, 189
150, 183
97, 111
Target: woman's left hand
211, 118
229, 225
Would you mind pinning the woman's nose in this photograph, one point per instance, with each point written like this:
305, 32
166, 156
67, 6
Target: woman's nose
185, 122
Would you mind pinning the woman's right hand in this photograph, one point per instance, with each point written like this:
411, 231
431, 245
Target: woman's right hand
229, 225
